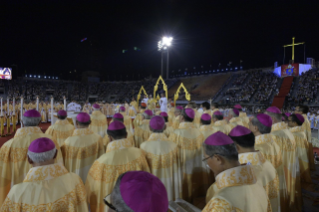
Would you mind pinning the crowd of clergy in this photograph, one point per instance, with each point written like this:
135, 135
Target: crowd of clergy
240, 163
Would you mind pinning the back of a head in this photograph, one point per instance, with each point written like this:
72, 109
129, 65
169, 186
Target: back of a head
242, 136
157, 124
62, 114
206, 105
218, 115
41, 150
31, 118
263, 122
215, 105
274, 113
138, 191
117, 130
83, 120
188, 115
192, 105
234, 112
205, 119
304, 109
299, 119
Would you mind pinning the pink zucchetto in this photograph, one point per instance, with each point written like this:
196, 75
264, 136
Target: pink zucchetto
236, 112
239, 131
143, 192
287, 114
41, 145
118, 116
62, 113
273, 109
32, 114
83, 117
190, 113
218, 139
238, 107
116, 125
206, 117
264, 119
122, 108
300, 118
164, 114
179, 108
157, 123
148, 112
96, 106
217, 113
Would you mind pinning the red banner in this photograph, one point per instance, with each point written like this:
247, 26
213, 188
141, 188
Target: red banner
290, 70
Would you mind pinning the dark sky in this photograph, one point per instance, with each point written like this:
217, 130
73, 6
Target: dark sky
44, 38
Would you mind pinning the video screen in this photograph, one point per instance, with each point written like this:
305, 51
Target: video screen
5, 73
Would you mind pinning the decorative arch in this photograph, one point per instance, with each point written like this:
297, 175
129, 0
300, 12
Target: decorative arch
187, 95
160, 78
139, 94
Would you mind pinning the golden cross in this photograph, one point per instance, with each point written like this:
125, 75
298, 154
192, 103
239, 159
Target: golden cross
293, 47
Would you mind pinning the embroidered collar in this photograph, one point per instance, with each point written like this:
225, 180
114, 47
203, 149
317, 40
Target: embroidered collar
235, 119
296, 129
186, 125
264, 138
118, 144
157, 137
220, 123
255, 158
47, 172
205, 127
279, 126
237, 176
82, 131
62, 122
27, 131
242, 114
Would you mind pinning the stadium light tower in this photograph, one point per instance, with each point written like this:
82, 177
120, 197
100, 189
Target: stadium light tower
163, 46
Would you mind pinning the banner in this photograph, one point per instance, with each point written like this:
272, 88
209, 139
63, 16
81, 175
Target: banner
290, 70
5, 73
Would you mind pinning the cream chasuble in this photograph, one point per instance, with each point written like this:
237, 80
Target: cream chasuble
134, 108
127, 122
244, 119
272, 152
195, 174
119, 144
163, 158
197, 118
105, 171
14, 163
286, 141
168, 130
266, 176
47, 188
237, 190
176, 122
98, 123
235, 121
206, 130
142, 132
221, 126
81, 150
61, 130
171, 116
307, 129
130, 138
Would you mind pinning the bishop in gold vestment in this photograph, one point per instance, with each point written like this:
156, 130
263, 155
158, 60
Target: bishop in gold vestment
13, 154
234, 119
177, 116
127, 119
162, 156
265, 172
169, 129
105, 170
142, 131
82, 148
62, 129
206, 128
236, 187
220, 124
47, 186
98, 121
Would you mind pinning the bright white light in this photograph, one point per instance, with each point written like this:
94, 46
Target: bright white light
165, 43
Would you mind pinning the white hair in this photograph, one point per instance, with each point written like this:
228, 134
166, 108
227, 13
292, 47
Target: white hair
31, 121
43, 156
147, 116
95, 109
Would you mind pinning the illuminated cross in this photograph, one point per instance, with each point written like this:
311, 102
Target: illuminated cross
293, 47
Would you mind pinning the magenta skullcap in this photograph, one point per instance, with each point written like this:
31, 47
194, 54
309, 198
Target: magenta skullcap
239, 131
122, 108
238, 106
264, 119
179, 108
148, 112
96, 106
118, 116
218, 139
116, 125
83, 117
143, 192
41, 145
190, 113
157, 123
287, 114
206, 117
236, 112
300, 118
164, 114
32, 114
273, 109
62, 113
217, 113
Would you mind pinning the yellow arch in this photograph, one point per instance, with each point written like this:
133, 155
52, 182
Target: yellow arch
187, 95
164, 87
139, 94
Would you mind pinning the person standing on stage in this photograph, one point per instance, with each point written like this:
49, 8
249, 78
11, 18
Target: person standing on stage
163, 103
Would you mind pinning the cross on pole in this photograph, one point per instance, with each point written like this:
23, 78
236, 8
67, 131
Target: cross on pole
293, 47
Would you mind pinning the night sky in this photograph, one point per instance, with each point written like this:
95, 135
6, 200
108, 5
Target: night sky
44, 38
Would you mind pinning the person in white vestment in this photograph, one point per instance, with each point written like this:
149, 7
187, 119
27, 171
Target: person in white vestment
163, 103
